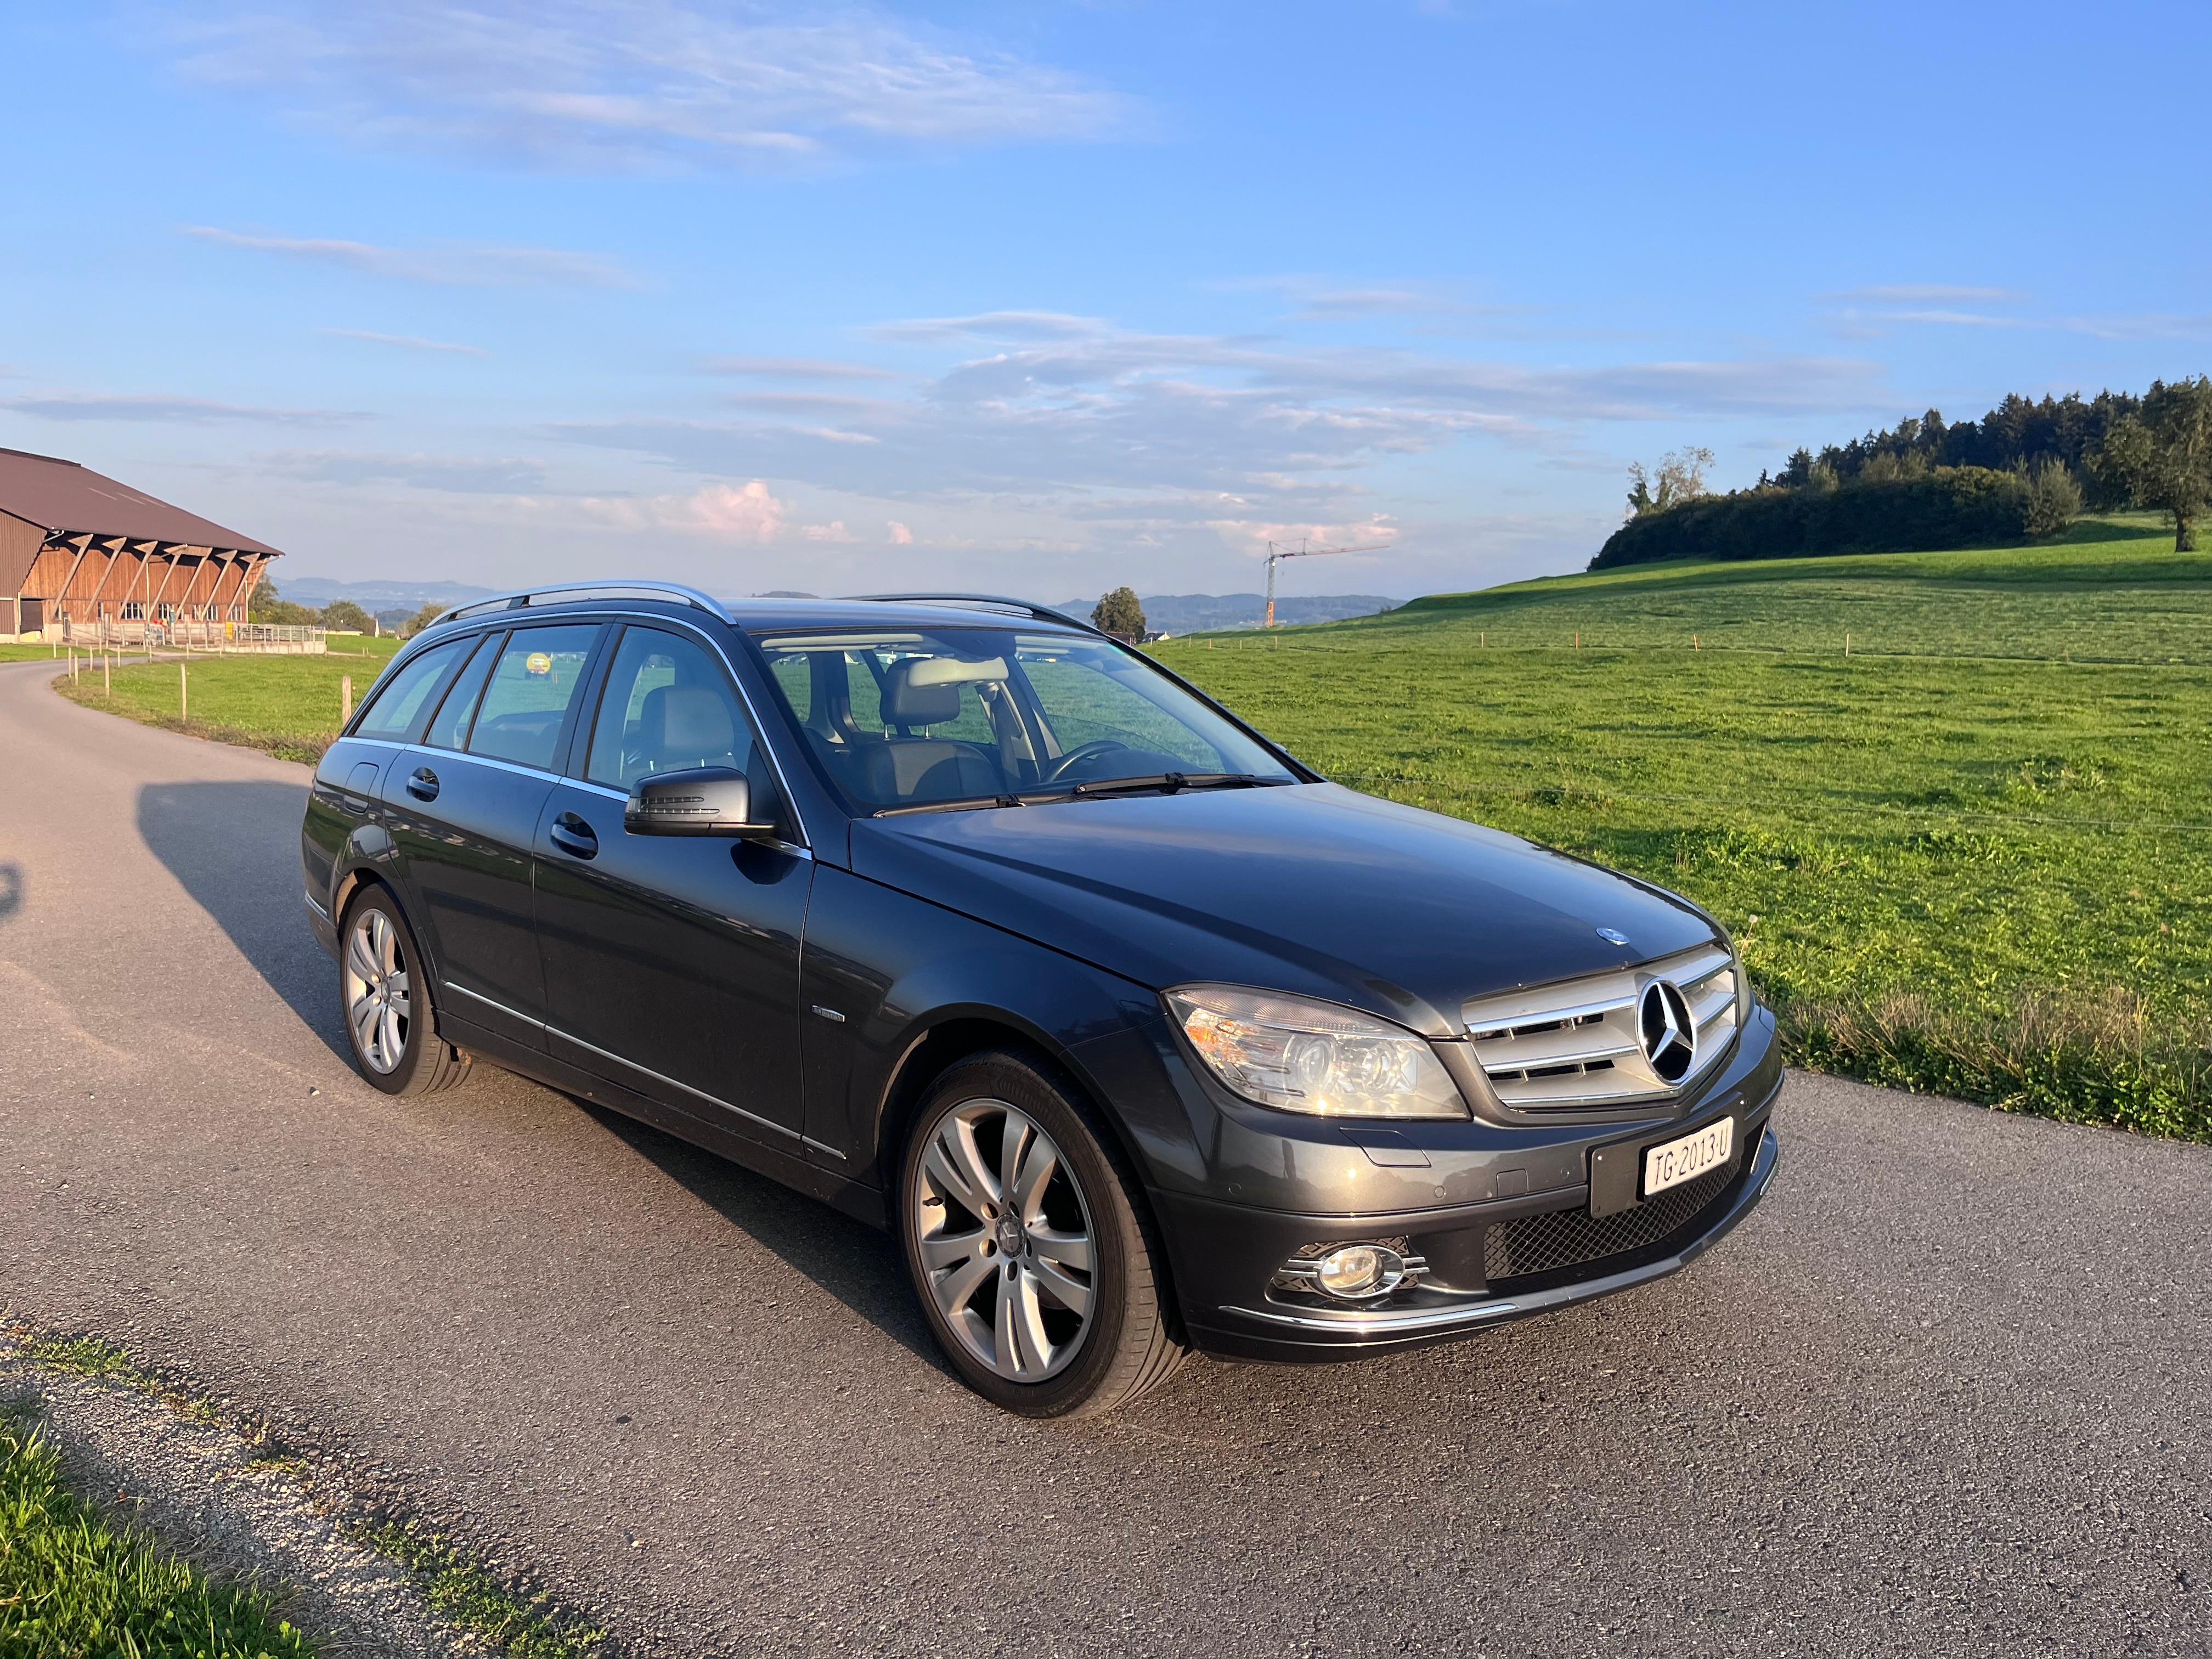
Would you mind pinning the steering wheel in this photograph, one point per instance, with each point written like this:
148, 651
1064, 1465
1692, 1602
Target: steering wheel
1082, 751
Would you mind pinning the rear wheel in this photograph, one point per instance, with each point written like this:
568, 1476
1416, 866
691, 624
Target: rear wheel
1033, 1262
385, 1004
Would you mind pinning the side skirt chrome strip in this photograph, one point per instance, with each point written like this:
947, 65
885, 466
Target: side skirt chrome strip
696, 1093
478, 996
643, 1071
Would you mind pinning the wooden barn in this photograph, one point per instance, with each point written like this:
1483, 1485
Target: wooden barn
81, 556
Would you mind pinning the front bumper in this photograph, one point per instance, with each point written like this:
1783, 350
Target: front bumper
1266, 1330
1473, 1280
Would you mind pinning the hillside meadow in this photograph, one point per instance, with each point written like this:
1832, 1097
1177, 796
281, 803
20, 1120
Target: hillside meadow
1969, 858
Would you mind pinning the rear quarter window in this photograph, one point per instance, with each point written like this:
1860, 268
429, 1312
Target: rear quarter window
398, 703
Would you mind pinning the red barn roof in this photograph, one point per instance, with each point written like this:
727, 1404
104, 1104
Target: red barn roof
57, 494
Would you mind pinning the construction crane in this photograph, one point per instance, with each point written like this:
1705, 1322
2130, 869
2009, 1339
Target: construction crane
1277, 551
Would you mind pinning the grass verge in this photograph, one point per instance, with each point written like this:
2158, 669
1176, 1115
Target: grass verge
71, 1584
1955, 860
523, 1623
289, 707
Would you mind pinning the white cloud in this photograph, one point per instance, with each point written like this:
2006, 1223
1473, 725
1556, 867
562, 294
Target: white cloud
989, 325
197, 411
834, 531
1909, 294
624, 83
900, 536
409, 341
796, 368
473, 474
1071, 416
452, 266
1374, 534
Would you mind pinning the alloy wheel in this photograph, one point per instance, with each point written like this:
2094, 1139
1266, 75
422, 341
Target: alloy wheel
1003, 1232
376, 991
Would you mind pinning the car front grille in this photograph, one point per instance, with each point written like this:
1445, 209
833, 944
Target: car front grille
1576, 1046
1570, 1238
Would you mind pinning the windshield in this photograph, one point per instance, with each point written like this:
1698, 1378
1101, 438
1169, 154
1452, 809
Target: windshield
901, 719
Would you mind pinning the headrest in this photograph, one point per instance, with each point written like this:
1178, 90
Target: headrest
692, 720
906, 702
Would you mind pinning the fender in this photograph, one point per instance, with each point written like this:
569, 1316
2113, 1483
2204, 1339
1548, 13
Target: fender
939, 985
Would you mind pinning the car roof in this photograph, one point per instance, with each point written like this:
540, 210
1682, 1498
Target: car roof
766, 613
767, 616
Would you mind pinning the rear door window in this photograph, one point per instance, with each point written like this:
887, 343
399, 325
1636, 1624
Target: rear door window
449, 727
532, 688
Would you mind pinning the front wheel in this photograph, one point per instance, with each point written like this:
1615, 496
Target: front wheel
384, 1002
1033, 1263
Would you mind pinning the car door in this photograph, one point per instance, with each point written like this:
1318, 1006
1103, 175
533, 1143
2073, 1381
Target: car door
672, 961
464, 803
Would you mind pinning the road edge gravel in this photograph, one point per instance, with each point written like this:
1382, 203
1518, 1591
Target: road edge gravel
222, 1492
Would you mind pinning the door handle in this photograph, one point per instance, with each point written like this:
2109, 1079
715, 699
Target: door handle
573, 836
423, 784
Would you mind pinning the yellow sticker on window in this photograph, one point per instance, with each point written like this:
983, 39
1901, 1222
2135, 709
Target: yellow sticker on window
538, 664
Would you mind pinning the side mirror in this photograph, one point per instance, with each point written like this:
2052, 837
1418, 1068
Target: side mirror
704, 800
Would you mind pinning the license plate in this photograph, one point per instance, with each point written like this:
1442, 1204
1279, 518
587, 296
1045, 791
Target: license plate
1678, 1161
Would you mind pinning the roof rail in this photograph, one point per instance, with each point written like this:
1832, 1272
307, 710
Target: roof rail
575, 592
1042, 612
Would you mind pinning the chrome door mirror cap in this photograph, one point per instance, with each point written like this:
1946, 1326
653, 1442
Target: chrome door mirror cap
701, 800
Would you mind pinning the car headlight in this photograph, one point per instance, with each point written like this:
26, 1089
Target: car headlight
1314, 1057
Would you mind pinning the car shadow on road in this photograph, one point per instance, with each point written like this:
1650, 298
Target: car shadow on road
235, 850
851, 1260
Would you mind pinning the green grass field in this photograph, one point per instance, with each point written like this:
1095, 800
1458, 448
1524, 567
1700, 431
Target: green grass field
286, 705
1971, 858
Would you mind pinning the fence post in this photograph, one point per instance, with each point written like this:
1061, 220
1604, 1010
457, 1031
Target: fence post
184, 693
345, 700
106, 679
1847, 645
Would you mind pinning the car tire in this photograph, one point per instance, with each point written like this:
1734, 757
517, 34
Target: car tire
1053, 1305
384, 1002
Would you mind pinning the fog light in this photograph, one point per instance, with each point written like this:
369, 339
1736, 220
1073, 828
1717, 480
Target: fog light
1356, 1271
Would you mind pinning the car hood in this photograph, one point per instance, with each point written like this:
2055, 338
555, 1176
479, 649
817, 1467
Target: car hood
1310, 889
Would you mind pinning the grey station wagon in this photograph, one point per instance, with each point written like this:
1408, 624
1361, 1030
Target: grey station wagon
1137, 1035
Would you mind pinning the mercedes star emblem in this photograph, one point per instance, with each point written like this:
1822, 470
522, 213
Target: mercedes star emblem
1663, 1024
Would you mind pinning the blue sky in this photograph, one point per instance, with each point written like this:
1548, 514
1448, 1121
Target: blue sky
1048, 298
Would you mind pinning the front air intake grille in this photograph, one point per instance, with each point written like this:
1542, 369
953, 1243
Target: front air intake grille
1603, 1042
1512, 1250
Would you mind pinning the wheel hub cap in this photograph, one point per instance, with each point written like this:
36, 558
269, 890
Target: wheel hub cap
1002, 1231
377, 1003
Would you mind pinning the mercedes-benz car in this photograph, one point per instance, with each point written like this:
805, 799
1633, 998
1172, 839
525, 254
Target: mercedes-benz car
1138, 1035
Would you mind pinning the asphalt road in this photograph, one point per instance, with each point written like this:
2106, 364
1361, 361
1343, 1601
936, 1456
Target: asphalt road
1949, 1391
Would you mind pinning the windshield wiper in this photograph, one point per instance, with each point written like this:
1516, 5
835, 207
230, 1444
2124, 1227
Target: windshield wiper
1162, 783
965, 804
1168, 783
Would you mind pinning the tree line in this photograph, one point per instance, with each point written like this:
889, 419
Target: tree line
2026, 470
339, 616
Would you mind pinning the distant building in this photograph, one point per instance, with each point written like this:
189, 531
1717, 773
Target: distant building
80, 553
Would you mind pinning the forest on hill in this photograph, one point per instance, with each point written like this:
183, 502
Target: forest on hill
2026, 470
